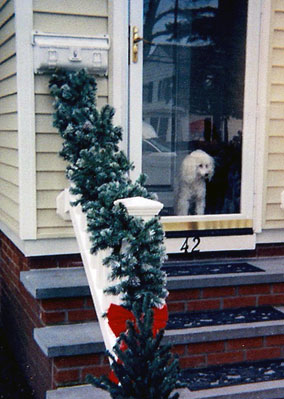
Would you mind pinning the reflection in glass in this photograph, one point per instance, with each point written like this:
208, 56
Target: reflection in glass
193, 89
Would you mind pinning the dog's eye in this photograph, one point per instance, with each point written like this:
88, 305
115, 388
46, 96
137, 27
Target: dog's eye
200, 165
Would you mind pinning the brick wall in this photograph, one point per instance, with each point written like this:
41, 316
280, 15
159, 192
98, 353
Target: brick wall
226, 297
19, 316
230, 351
67, 310
21, 313
74, 369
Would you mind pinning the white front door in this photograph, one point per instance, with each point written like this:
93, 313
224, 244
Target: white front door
192, 116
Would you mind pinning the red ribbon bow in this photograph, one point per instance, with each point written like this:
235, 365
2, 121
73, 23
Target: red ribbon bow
118, 316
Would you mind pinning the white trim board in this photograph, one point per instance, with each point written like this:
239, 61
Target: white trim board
41, 247
26, 119
270, 236
212, 244
262, 109
118, 65
65, 246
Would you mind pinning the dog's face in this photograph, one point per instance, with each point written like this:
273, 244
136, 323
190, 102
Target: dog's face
198, 165
205, 169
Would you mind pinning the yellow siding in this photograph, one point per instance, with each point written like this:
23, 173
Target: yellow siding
8, 103
87, 17
8, 70
86, 8
7, 31
274, 195
7, 49
273, 214
9, 156
58, 232
9, 197
70, 24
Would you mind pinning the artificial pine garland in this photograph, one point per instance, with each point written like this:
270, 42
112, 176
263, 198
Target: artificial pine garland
99, 173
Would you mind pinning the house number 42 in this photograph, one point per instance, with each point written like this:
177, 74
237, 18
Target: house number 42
186, 247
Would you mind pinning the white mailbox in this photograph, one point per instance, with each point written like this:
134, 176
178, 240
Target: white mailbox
53, 51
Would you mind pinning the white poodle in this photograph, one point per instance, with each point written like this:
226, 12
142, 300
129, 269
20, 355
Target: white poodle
196, 168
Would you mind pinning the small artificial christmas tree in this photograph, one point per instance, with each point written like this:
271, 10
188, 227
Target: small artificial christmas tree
144, 368
99, 173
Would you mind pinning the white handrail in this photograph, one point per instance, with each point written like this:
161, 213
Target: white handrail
96, 272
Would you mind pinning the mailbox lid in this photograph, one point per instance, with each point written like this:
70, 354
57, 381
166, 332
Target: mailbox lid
70, 52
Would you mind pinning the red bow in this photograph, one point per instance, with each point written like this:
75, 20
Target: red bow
118, 316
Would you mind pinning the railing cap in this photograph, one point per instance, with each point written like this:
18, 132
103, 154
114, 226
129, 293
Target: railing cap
140, 206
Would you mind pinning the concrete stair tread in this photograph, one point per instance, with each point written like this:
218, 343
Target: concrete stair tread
85, 338
72, 282
56, 282
259, 390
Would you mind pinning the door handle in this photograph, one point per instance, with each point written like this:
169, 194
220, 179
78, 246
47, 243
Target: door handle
135, 40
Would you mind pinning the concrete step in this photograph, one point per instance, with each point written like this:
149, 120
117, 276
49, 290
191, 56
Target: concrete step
260, 390
72, 282
78, 349
83, 338
63, 295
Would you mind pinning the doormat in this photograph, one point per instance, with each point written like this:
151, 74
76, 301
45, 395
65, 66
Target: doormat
203, 269
239, 373
221, 317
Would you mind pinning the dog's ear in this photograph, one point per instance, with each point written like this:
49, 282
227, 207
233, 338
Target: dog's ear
189, 168
212, 168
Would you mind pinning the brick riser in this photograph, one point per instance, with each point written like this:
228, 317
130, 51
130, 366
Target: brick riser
74, 369
217, 298
80, 309
66, 310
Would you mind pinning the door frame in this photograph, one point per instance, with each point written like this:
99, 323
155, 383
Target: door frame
250, 205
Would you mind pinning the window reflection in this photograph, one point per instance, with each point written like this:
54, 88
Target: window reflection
193, 88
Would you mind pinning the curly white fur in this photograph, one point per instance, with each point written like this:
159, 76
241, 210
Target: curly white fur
196, 168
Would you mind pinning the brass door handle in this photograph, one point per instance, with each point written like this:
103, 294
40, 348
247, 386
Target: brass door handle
135, 40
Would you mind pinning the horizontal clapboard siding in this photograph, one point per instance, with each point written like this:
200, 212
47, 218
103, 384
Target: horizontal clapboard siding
70, 24
87, 17
86, 7
9, 174
273, 214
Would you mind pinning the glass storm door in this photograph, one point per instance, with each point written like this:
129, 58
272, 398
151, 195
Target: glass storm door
192, 108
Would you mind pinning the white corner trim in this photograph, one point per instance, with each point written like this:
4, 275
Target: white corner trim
261, 123
250, 106
26, 119
118, 76
135, 91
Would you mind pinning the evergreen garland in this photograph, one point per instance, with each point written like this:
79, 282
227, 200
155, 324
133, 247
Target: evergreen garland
99, 173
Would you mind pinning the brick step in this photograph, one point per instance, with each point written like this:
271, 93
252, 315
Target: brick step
260, 390
63, 295
77, 350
